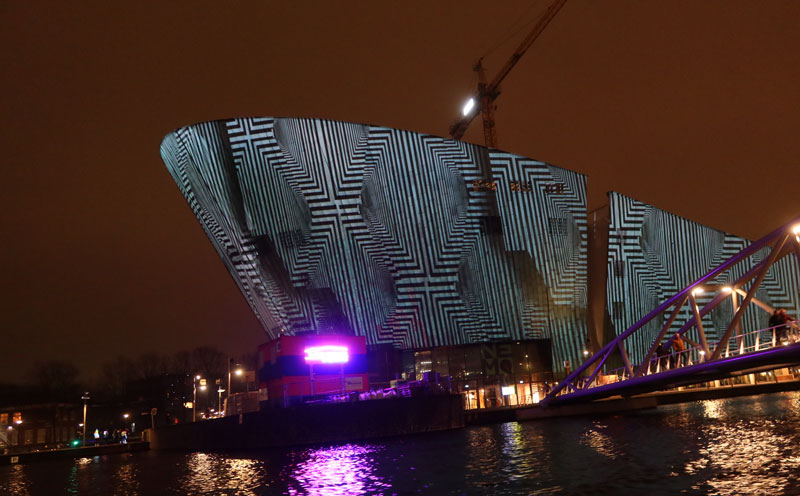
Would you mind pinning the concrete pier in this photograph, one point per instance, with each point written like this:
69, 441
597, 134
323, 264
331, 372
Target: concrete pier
313, 424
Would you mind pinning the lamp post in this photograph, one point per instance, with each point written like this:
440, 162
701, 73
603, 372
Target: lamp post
85, 398
194, 396
238, 372
219, 399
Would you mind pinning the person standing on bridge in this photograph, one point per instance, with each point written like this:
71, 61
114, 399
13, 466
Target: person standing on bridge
678, 347
781, 333
661, 357
791, 326
777, 322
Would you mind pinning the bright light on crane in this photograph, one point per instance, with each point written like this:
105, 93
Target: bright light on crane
468, 107
489, 91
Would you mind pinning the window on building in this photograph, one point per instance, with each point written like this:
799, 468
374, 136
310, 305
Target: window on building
455, 362
472, 361
439, 359
41, 436
3, 419
422, 362
17, 417
28, 436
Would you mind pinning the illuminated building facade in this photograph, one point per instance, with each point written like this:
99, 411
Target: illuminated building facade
409, 240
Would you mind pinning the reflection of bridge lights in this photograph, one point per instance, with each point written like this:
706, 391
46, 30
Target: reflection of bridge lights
226, 474
727, 289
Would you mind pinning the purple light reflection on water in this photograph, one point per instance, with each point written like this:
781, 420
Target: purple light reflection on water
335, 470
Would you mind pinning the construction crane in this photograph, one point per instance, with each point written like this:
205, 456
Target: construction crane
488, 93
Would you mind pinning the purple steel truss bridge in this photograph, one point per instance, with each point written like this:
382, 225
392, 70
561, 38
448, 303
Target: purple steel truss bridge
738, 351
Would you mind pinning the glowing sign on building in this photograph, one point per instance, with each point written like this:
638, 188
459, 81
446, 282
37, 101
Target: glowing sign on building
327, 354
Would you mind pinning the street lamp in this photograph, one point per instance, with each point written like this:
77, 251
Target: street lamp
194, 395
85, 398
219, 399
238, 373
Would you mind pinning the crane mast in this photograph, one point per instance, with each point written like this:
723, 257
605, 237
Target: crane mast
489, 91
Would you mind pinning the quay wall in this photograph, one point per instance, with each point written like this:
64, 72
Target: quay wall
275, 427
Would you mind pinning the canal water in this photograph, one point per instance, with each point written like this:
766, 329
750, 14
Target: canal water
733, 446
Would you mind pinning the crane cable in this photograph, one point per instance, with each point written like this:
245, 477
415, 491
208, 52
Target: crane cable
511, 34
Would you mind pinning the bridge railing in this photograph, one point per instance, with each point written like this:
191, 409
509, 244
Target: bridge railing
761, 339
736, 280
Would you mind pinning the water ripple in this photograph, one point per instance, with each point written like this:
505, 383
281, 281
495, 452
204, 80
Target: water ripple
725, 447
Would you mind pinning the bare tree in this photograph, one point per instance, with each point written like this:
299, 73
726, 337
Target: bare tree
56, 378
149, 365
115, 376
209, 362
181, 363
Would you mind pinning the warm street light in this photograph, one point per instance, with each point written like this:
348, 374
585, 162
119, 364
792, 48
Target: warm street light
85, 398
194, 397
125, 415
239, 371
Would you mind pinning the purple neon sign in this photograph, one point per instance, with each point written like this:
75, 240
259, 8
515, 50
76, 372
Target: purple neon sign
327, 354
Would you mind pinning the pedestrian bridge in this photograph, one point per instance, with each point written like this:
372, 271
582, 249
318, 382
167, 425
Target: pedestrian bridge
738, 351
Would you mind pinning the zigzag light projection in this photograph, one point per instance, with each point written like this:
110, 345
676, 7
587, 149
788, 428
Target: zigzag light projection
408, 239
652, 254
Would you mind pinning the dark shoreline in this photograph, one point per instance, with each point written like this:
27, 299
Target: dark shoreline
83, 451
